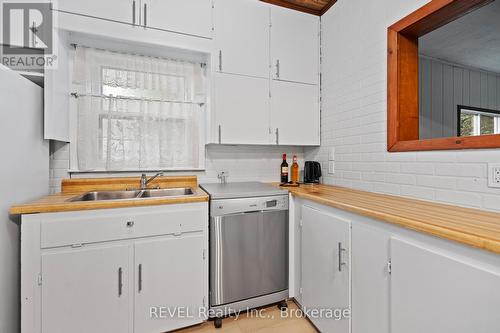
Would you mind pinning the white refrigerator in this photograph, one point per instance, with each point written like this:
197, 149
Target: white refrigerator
24, 176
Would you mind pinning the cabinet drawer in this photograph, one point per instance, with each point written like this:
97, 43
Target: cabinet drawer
65, 229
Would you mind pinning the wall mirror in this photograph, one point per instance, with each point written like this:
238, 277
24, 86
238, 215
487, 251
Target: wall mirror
444, 77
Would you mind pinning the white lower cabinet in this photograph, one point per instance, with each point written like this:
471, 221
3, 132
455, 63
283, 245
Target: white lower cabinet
325, 268
141, 270
168, 275
85, 290
437, 291
370, 279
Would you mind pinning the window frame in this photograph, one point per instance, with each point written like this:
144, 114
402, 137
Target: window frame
200, 57
477, 112
403, 84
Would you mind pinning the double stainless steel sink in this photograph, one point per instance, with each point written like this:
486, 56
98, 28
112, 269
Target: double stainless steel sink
134, 194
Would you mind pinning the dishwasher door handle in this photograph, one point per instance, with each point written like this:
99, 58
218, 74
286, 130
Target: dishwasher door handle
217, 261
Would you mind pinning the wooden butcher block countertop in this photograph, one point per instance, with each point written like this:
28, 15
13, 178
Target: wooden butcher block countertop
72, 188
473, 227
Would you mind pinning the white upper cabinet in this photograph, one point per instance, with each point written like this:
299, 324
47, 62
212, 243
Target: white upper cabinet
192, 17
242, 105
241, 37
116, 10
57, 82
294, 46
295, 116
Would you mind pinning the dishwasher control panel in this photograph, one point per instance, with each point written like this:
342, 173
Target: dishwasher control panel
246, 205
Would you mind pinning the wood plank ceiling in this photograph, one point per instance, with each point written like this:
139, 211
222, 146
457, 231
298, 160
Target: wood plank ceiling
316, 7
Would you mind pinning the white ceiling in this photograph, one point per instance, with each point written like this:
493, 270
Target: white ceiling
473, 40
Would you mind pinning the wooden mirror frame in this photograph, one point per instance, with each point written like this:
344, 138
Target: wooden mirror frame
402, 79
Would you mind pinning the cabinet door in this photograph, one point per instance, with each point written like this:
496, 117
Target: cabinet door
192, 17
370, 280
242, 109
242, 37
85, 290
295, 116
169, 274
437, 292
294, 46
116, 10
325, 267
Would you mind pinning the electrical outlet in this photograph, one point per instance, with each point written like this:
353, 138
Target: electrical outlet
494, 175
331, 167
331, 154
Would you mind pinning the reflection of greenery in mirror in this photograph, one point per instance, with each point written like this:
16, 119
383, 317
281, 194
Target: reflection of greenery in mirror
475, 121
466, 125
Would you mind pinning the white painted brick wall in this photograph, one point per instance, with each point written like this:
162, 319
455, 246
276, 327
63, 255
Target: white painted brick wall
354, 72
245, 163
59, 165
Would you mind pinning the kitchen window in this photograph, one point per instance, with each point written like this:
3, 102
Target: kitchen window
138, 113
477, 121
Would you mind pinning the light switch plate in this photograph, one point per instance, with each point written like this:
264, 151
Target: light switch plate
494, 175
331, 167
331, 154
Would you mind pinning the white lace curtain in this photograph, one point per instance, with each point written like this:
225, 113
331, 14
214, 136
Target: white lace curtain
138, 112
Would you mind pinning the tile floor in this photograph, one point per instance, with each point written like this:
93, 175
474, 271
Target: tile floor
270, 320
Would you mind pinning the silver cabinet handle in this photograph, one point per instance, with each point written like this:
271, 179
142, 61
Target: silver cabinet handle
278, 69
220, 60
341, 249
120, 281
277, 136
140, 278
145, 14
133, 12
220, 134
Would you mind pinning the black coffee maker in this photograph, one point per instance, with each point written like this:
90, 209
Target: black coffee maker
312, 172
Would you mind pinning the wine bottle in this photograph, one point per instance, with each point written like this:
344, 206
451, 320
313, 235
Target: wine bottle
295, 170
284, 170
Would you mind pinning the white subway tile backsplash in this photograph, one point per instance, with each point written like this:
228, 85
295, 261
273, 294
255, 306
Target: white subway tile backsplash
244, 163
401, 157
462, 170
352, 175
418, 168
462, 198
480, 156
373, 176
491, 202
437, 182
401, 179
436, 156
387, 188
418, 192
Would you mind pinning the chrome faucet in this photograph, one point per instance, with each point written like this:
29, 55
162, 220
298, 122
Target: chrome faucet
223, 176
145, 181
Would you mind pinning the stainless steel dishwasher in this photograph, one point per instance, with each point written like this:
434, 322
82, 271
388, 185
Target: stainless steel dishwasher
248, 248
